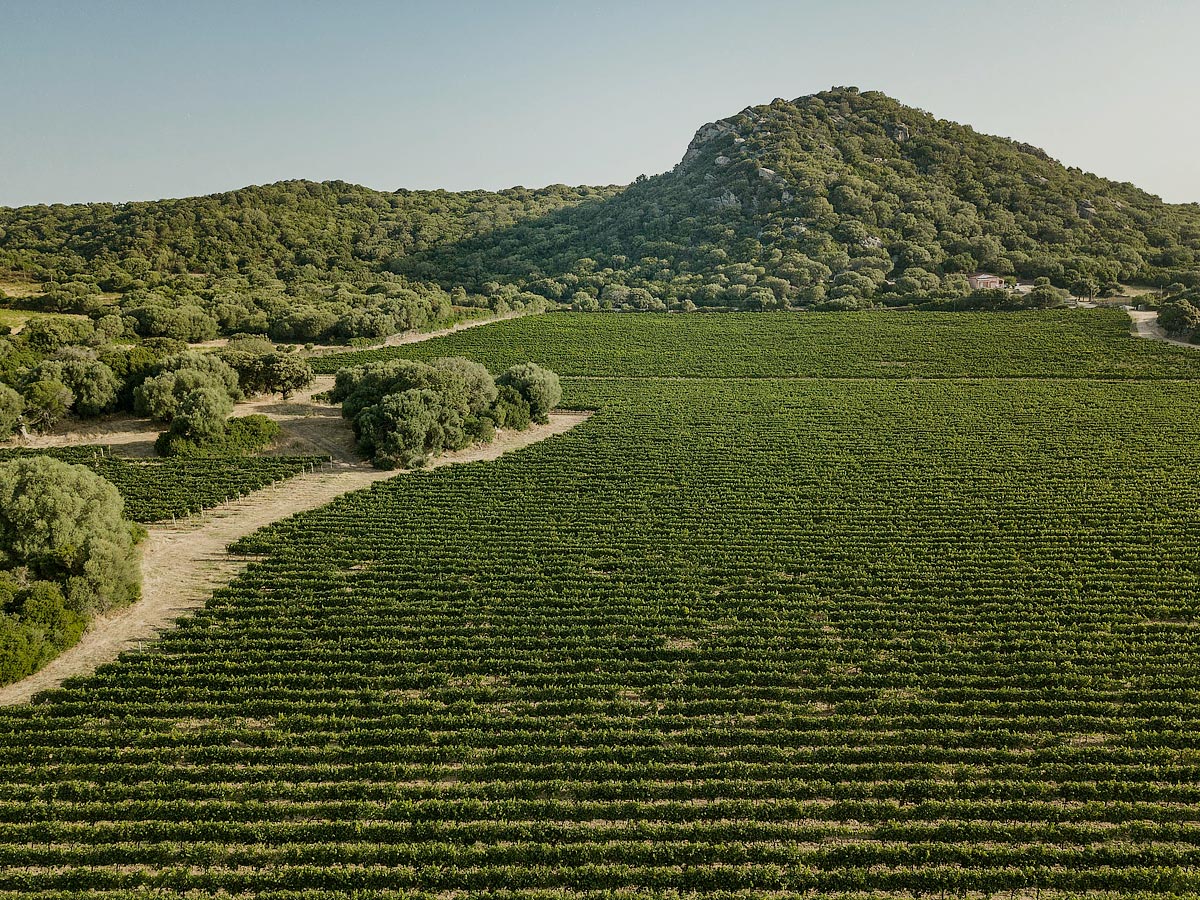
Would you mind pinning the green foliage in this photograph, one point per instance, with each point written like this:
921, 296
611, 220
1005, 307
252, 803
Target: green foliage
539, 387
46, 403
66, 552
466, 386
185, 322
12, 405
193, 393
406, 428
240, 436
511, 410
1179, 317
201, 414
46, 334
35, 623
130, 366
469, 383
91, 382
296, 261
263, 370
842, 195
406, 412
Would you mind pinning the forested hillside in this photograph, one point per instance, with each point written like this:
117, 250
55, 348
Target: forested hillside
842, 199
297, 261
841, 196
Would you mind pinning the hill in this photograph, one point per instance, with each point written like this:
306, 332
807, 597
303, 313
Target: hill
839, 195
296, 260
839, 199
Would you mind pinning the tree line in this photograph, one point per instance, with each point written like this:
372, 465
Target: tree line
59, 366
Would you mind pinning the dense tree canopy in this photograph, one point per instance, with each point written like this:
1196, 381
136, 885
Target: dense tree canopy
261, 369
66, 552
836, 200
539, 387
1179, 314
406, 412
11, 408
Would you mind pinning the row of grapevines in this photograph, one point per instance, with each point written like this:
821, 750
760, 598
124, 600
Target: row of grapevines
158, 489
727, 637
1077, 343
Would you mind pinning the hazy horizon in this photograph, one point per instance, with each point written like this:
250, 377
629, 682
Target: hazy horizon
120, 101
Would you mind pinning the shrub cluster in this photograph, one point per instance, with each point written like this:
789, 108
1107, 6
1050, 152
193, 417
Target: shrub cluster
241, 436
66, 552
406, 412
1179, 313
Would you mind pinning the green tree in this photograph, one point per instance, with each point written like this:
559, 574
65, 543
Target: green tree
46, 403
540, 387
470, 382
159, 396
1085, 287
1179, 317
201, 413
65, 524
283, 373
11, 408
409, 427
93, 383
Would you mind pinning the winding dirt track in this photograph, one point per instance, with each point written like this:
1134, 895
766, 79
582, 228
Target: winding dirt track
395, 340
183, 563
1145, 325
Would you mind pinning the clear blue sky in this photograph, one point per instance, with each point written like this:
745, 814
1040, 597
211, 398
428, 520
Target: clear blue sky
106, 100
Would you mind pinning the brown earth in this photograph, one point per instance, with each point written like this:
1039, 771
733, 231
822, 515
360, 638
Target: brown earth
1145, 325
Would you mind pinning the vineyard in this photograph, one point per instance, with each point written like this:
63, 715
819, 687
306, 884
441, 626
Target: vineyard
1069, 343
733, 636
158, 489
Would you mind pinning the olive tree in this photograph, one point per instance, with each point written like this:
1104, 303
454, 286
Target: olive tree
11, 407
540, 387
65, 525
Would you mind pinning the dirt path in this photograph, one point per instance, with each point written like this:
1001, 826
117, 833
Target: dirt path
415, 337
395, 340
182, 564
1145, 325
309, 427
